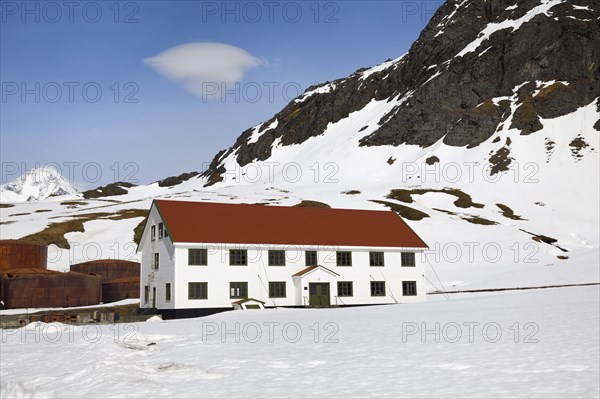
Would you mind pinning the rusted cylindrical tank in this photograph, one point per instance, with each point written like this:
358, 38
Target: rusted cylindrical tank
121, 288
109, 269
19, 254
36, 288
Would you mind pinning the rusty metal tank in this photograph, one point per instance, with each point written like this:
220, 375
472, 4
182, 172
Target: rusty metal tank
109, 269
37, 288
21, 254
121, 288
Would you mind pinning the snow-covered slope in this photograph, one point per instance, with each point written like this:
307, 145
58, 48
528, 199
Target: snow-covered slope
35, 185
524, 344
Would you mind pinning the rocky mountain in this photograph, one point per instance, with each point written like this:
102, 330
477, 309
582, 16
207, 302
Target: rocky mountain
37, 184
477, 67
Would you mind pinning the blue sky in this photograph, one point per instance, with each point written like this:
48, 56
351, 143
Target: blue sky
77, 92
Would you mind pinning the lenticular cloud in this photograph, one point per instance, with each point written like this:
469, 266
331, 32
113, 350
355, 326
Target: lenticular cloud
197, 64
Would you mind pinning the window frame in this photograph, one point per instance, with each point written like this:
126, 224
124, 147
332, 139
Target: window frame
378, 253
306, 256
276, 292
340, 292
156, 261
271, 255
243, 284
202, 290
374, 288
407, 264
202, 257
339, 254
245, 257
412, 287
167, 292
153, 233
161, 230
146, 294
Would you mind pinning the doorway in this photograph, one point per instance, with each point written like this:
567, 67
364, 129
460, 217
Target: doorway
318, 294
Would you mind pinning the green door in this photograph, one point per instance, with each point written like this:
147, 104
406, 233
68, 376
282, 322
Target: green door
318, 294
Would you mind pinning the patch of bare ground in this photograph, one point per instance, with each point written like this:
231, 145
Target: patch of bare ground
55, 232
445, 211
351, 192
404, 211
479, 220
6, 205
544, 239
508, 213
463, 200
312, 204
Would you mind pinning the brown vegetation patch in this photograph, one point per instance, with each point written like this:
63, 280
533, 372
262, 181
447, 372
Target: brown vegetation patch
508, 213
445, 211
20, 214
526, 118
404, 211
6, 205
500, 161
312, 204
463, 200
351, 192
544, 239
432, 160
55, 232
43, 210
479, 220
73, 203
577, 145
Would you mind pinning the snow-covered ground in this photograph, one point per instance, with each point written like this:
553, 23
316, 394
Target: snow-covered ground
536, 343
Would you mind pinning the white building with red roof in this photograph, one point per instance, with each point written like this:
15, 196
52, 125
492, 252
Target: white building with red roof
199, 258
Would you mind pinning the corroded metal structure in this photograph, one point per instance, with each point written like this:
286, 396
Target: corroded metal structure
19, 254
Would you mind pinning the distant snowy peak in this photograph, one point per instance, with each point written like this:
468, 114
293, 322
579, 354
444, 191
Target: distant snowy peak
36, 185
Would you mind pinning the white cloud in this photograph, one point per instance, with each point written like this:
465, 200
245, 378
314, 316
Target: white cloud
197, 65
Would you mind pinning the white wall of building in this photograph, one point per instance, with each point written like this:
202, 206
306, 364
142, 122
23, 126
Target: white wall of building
165, 273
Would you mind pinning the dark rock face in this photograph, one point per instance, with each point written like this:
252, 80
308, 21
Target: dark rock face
109, 190
175, 180
462, 99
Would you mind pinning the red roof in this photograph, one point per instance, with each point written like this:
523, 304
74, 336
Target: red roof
209, 222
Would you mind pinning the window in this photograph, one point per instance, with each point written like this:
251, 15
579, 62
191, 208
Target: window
146, 293
377, 288
156, 260
197, 290
344, 258
408, 259
168, 292
409, 288
238, 290
376, 259
166, 232
277, 289
238, 257
311, 258
345, 288
276, 258
160, 230
153, 233
197, 257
